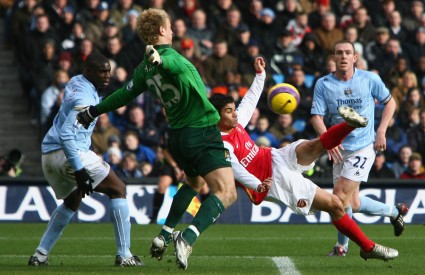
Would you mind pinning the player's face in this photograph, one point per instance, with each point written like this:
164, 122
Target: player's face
344, 57
228, 117
102, 76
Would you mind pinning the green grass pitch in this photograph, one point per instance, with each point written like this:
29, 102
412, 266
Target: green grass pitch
222, 249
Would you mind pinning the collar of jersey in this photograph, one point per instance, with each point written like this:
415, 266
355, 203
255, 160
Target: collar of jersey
163, 46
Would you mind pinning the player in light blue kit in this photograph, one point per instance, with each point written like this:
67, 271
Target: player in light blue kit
354, 158
73, 171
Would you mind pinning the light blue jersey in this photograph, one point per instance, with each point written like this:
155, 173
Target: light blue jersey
359, 93
66, 133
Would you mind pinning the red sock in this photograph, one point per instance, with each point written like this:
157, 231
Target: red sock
335, 135
349, 227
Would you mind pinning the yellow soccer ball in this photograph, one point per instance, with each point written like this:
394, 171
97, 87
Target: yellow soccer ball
283, 98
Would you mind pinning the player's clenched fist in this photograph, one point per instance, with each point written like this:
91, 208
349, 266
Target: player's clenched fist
86, 115
153, 55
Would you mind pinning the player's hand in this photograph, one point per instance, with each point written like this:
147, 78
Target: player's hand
86, 114
84, 182
335, 155
259, 65
153, 55
265, 185
380, 142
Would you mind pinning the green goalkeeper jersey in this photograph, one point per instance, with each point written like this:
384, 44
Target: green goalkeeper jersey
178, 86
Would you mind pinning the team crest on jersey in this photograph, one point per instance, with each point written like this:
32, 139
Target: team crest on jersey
348, 92
227, 155
248, 145
130, 85
301, 203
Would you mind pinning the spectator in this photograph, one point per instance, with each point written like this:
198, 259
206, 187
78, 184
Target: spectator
87, 11
314, 56
376, 48
129, 29
388, 58
285, 57
120, 9
73, 41
351, 34
416, 48
118, 118
243, 38
267, 29
402, 162
200, 33
282, 128
216, 66
228, 30
396, 138
379, 169
85, 48
253, 121
380, 16
96, 26
113, 48
365, 29
297, 79
101, 134
114, 157
397, 31
179, 33
246, 60
415, 169
399, 92
147, 132
129, 167
253, 14
413, 20
299, 28
142, 152
217, 12
328, 33
51, 99
395, 74
315, 16
414, 99
416, 135
262, 130
10, 164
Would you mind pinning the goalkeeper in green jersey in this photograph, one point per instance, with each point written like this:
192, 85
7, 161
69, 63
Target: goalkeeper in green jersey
195, 141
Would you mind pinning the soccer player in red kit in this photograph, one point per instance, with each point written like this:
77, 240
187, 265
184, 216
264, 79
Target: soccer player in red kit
277, 173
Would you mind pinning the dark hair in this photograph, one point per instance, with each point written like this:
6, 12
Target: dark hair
95, 60
220, 100
343, 42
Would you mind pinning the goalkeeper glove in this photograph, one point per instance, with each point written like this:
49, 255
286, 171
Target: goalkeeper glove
86, 114
153, 55
84, 182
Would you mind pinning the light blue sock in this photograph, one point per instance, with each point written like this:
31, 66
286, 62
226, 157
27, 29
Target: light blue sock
58, 221
342, 239
120, 216
376, 208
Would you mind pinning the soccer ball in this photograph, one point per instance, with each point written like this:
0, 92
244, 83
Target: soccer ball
283, 98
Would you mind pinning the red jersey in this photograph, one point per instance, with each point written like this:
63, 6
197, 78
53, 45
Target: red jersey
256, 160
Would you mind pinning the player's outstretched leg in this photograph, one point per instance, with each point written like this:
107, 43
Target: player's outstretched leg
379, 252
352, 117
398, 221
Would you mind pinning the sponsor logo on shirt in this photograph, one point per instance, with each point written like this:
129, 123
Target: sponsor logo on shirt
253, 151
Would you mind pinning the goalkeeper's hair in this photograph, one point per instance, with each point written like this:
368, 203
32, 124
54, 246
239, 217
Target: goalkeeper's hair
220, 100
149, 23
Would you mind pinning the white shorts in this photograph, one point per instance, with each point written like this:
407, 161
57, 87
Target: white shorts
289, 185
356, 165
60, 175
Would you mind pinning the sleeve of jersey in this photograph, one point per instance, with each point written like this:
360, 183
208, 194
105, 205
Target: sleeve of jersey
123, 95
67, 139
249, 102
379, 90
319, 103
240, 173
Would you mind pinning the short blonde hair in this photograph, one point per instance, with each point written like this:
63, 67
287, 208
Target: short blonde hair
148, 24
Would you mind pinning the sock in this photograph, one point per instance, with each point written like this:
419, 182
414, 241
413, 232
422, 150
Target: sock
157, 203
350, 228
342, 239
181, 201
120, 217
335, 135
58, 221
207, 214
376, 208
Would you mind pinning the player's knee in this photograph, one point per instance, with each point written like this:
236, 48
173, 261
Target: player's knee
336, 206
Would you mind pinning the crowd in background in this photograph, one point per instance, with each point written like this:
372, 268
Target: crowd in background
52, 38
